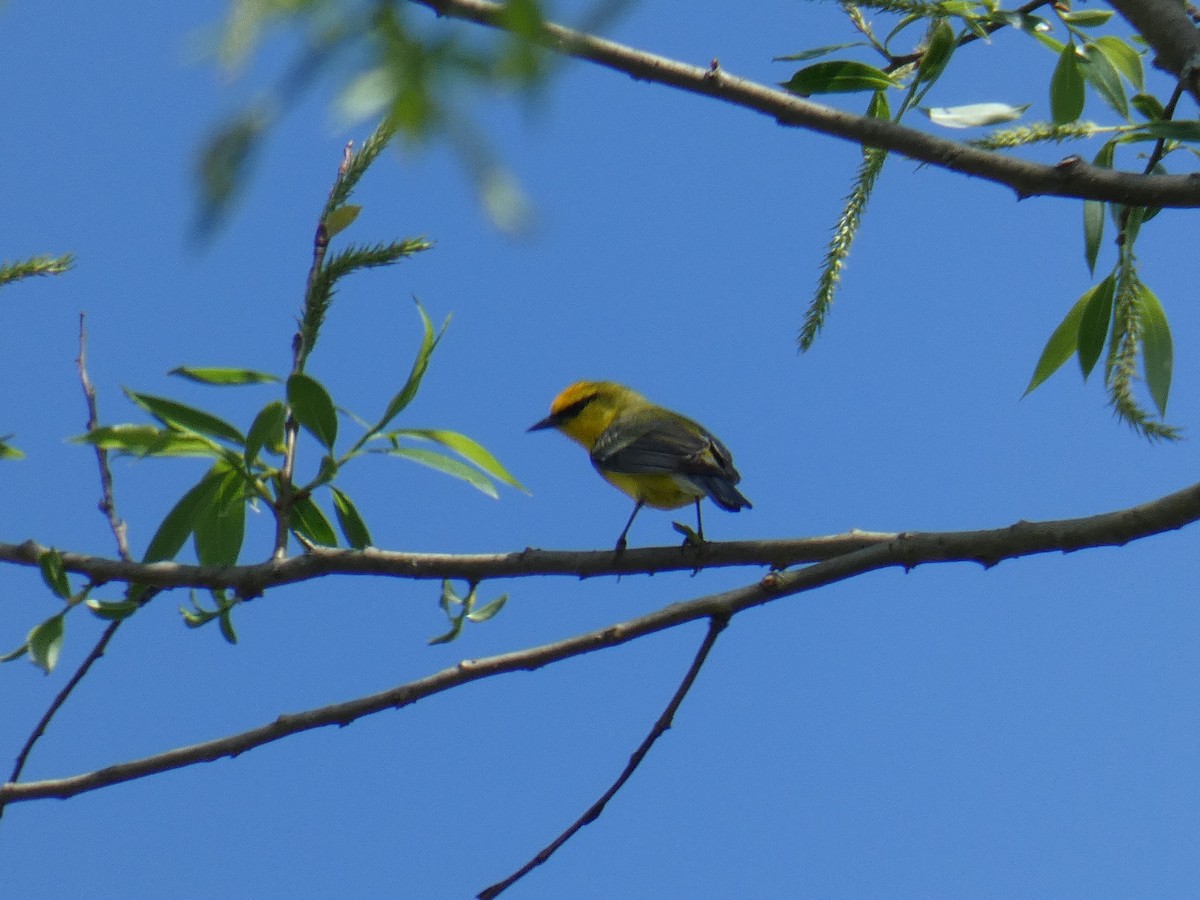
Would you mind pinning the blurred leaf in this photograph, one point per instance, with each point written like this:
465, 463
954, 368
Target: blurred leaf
311, 523
313, 408
146, 440
1148, 106
354, 529
1066, 88
486, 612
1093, 213
341, 218
455, 629
1182, 130
1094, 324
1103, 76
468, 449
15, 654
7, 451
266, 431
219, 525
225, 164
45, 643
447, 465
449, 598
1127, 60
1158, 355
170, 412
941, 46
113, 610
226, 621
973, 114
840, 77
181, 520
817, 52
1062, 344
219, 376
51, 565
428, 343
35, 266
1087, 18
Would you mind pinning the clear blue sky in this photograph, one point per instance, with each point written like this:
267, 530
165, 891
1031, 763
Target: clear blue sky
1029, 731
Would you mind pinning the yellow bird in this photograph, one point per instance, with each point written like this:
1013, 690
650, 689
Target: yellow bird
656, 456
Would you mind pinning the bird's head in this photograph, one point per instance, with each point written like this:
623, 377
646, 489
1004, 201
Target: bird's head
586, 408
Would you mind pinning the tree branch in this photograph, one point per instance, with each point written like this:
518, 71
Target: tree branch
1167, 27
1070, 178
906, 550
715, 626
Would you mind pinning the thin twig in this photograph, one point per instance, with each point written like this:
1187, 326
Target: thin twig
715, 626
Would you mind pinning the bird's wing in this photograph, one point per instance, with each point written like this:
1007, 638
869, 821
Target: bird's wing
646, 443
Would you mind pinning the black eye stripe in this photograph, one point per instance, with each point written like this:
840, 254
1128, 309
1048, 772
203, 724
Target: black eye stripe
570, 412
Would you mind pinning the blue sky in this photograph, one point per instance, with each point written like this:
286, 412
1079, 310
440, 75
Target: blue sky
1026, 731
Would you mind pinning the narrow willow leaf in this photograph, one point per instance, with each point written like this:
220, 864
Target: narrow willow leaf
468, 449
226, 622
817, 52
1158, 355
837, 77
938, 51
8, 451
1094, 324
147, 440
354, 529
51, 565
311, 523
1066, 87
449, 466
168, 540
341, 218
112, 610
1180, 130
313, 408
1103, 76
45, 643
487, 611
266, 431
1149, 106
972, 115
1087, 18
179, 415
15, 654
455, 630
220, 525
1093, 231
878, 107
429, 342
218, 376
1062, 344
1127, 60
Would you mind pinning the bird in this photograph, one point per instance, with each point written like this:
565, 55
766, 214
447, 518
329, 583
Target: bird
656, 456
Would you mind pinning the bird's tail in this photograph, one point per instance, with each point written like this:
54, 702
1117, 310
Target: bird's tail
723, 493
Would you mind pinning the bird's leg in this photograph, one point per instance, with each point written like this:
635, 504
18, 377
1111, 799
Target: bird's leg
637, 506
691, 538
699, 522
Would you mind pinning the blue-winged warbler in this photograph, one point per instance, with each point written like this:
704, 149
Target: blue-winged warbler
656, 456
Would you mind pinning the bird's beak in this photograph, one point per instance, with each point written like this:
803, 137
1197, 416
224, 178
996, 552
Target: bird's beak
548, 422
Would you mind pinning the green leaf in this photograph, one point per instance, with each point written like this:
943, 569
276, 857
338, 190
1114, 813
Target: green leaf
429, 343
7, 451
226, 623
181, 520
178, 415
1149, 106
340, 219
449, 597
817, 52
468, 449
840, 77
53, 573
1087, 18
313, 408
266, 431
45, 643
1158, 355
973, 114
455, 629
15, 654
941, 46
1094, 323
220, 525
1103, 76
1183, 130
1062, 344
1093, 213
878, 107
147, 440
1127, 60
113, 610
1066, 88
486, 612
311, 523
353, 527
219, 376
447, 465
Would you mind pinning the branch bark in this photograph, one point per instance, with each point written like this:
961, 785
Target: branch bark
906, 550
1070, 178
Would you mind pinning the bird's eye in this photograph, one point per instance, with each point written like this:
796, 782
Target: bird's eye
570, 412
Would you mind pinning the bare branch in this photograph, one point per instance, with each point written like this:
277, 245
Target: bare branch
906, 550
715, 626
1070, 178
